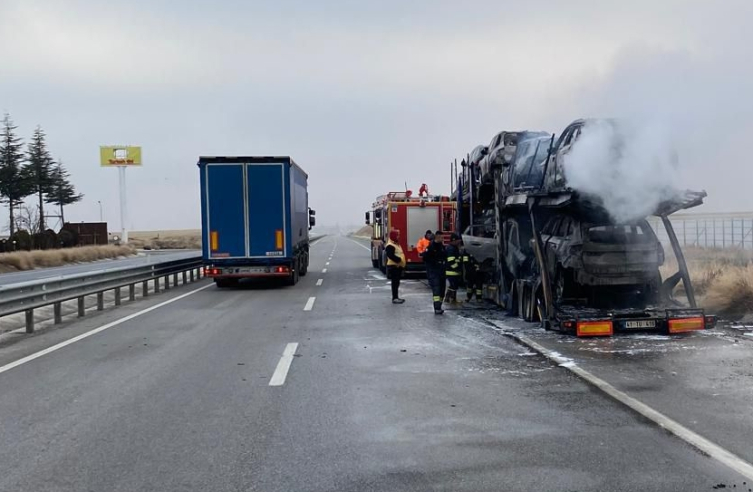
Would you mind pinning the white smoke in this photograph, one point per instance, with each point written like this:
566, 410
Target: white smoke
630, 166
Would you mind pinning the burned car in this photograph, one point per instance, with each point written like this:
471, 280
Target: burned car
601, 263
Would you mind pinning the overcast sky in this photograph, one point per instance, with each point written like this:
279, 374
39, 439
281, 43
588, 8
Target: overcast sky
365, 96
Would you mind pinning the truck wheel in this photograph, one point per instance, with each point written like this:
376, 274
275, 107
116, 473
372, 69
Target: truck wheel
375, 263
304, 264
382, 264
293, 279
224, 283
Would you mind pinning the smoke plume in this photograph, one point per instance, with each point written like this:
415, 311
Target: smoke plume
630, 166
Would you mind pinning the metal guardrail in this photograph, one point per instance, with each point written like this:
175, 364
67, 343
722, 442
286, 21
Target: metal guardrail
27, 296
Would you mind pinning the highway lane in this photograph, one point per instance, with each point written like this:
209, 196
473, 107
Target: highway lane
377, 397
700, 380
145, 258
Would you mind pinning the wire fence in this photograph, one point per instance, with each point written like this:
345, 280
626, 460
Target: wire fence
709, 230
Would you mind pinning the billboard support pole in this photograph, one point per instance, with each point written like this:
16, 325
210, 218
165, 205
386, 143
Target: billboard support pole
123, 209
120, 156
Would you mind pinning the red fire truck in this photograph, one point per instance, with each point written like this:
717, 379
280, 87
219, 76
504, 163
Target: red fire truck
412, 216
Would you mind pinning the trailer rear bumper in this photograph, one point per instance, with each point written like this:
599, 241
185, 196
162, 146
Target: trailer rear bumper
247, 272
589, 323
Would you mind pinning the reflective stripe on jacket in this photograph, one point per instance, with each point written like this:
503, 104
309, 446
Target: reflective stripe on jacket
470, 266
453, 261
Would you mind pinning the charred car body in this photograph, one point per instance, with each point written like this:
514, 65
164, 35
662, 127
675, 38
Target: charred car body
559, 257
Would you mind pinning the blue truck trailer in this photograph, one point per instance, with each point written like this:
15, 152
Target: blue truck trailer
255, 218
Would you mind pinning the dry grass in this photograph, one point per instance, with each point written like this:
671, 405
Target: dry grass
731, 293
722, 279
364, 232
29, 260
176, 239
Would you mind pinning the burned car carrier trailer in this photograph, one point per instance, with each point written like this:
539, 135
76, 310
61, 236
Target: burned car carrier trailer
555, 256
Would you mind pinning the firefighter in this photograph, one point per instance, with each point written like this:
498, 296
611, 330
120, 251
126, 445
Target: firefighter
453, 268
472, 276
434, 259
395, 264
424, 242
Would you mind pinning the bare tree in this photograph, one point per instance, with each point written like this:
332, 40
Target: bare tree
27, 219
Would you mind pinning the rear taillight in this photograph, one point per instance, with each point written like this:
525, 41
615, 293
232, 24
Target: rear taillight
683, 325
282, 269
211, 272
594, 328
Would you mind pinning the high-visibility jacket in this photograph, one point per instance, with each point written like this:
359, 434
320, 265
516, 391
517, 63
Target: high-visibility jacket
470, 267
453, 261
422, 244
435, 257
398, 252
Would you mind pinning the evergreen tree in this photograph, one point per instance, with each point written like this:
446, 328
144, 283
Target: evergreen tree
39, 167
62, 191
14, 182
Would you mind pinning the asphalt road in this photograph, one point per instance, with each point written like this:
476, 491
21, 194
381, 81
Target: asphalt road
375, 397
143, 259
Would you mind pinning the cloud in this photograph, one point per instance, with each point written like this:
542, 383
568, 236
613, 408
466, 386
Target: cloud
363, 96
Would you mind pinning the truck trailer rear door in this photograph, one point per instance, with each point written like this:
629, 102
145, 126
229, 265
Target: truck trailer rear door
267, 206
226, 211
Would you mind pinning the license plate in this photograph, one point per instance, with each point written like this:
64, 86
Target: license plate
644, 323
249, 270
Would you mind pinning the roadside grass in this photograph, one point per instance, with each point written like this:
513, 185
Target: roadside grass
175, 239
29, 260
722, 279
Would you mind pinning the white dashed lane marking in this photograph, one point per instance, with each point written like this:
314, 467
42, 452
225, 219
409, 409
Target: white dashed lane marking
309, 304
281, 372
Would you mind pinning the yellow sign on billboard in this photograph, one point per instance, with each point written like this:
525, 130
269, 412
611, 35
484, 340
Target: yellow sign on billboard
119, 155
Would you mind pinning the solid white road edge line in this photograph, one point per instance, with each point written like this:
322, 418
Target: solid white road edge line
699, 442
359, 244
48, 350
281, 371
309, 304
319, 282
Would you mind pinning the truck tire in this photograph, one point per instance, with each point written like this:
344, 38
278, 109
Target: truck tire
375, 263
293, 279
224, 283
382, 264
304, 264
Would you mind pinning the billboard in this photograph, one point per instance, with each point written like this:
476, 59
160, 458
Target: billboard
119, 155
